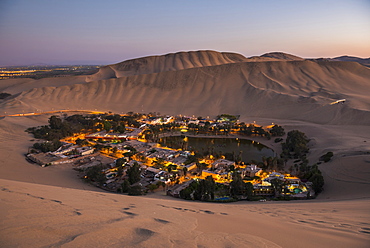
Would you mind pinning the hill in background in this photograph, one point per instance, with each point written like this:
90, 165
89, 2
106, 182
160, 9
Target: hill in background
274, 85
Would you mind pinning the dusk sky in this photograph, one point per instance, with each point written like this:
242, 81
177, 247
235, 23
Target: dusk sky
110, 31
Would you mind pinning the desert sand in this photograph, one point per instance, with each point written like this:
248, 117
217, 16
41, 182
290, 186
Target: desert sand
51, 207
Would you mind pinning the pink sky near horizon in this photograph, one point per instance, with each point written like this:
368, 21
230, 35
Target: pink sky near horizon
104, 32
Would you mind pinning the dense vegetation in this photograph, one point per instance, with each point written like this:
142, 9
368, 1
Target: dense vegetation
96, 174
205, 127
313, 174
239, 189
277, 130
296, 147
60, 128
203, 190
47, 146
207, 189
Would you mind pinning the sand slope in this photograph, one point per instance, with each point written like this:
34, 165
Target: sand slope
299, 90
281, 56
14, 86
60, 217
168, 62
180, 61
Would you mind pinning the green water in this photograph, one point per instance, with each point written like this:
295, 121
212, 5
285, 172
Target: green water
245, 149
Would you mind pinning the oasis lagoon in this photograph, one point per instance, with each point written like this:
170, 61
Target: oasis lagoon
232, 148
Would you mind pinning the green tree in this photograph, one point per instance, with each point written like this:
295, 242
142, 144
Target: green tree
134, 173
55, 122
277, 130
205, 189
120, 128
237, 186
317, 182
125, 186
326, 157
314, 175
249, 189
95, 174
107, 126
135, 190
48, 146
296, 143
189, 191
277, 184
185, 171
209, 188
119, 171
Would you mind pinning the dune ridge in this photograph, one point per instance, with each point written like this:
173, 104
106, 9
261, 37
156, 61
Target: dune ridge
180, 61
297, 90
168, 62
281, 55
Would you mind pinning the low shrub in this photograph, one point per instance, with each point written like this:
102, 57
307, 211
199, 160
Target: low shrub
277, 140
326, 157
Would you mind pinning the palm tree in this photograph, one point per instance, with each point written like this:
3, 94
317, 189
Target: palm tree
185, 170
277, 184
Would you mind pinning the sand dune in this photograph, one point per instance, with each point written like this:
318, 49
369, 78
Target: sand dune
169, 62
14, 86
281, 56
298, 90
51, 207
364, 61
180, 61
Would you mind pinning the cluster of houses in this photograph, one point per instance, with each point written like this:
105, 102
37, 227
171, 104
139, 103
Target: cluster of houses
262, 186
166, 165
66, 154
152, 172
130, 134
290, 186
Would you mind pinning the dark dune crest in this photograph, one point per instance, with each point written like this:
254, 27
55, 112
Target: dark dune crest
281, 56
168, 62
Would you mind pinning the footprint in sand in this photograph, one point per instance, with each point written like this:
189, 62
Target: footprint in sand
364, 230
162, 221
129, 213
142, 234
207, 212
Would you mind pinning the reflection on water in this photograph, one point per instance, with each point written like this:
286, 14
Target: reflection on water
244, 149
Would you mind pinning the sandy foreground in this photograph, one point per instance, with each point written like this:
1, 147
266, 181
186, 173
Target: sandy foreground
51, 207
35, 215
